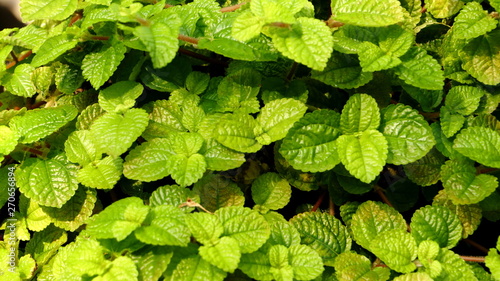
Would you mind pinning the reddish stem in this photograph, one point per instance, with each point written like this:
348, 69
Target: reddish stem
100, 38
22, 57
484, 170
472, 259
38, 104
331, 208
14, 56
381, 193
476, 245
333, 23
318, 203
280, 24
202, 57
76, 17
232, 8
188, 39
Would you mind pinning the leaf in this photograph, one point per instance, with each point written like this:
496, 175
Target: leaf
323, 233
247, 26
246, 226
479, 144
164, 225
8, 140
453, 267
352, 266
50, 182
35, 218
47, 9
373, 218
194, 268
120, 269
237, 92
343, 71
359, 114
75, 212
148, 161
118, 220
114, 133
80, 148
101, 174
436, 223
152, 261
428, 99
408, 135
52, 48
306, 263
472, 22
427, 170
364, 155
493, 262
368, 12
310, 144
88, 116
164, 117
396, 248
19, 82
481, 58
216, 192
308, 42
160, 38
120, 96
44, 245
415, 276
464, 99
237, 132
97, 67
277, 117
271, 191
282, 233
421, 70
206, 228
443, 8
221, 158
225, 254
279, 261
463, 186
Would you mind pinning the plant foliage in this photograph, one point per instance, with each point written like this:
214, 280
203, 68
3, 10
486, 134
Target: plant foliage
203, 140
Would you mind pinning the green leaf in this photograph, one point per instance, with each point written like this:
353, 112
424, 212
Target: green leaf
216, 192
160, 38
280, 266
52, 48
343, 71
310, 143
114, 133
415, 276
247, 26
98, 13
120, 269
463, 186
427, 170
428, 99
148, 161
271, 192
473, 21
409, 136
282, 233
225, 254
44, 245
324, 233
359, 114
479, 144
308, 42
164, 225
206, 228
396, 248
373, 218
8, 139
120, 96
436, 223
246, 226
451, 122
165, 117
443, 8
421, 70
368, 13
306, 263
75, 212
351, 266
493, 262
172, 195
277, 117
481, 58
194, 268
80, 148
372, 58
238, 91
363, 155
453, 267
119, 219
49, 182
221, 158
101, 174
19, 81
197, 82
186, 170
152, 261
47, 9
88, 116
35, 217
84, 257
256, 265
238, 132
97, 67
464, 99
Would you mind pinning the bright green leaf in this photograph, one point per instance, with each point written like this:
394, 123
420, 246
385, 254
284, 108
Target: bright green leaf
47, 9
271, 191
164, 225
464, 99
247, 26
8, 139
363, 155
306, 263
368, 12
120, 96
436, 223
359, 114
119, 219
481, 58
44, 245
194, 268
19, 81
97, 67
216, 192
120, 269
443, 8
473, 21
206, 228
164, 117
80, 148
415, 276
396, 248
350, 266
343, 71
421, 70
324, 233
186, 170
479, 144
237, 132
453, 267
101, 174
148, 161
225, 254
310, 143
221, 158
52, 48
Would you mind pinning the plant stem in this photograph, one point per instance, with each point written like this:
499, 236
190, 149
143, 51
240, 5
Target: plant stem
100, 38
22, 57
202, 57
14, 56
320, 200
291, 73
280, 24
331, 207
476, 245
188, 39
484, 170
381, 193
333, 23
472, 259
76, 17
232, 8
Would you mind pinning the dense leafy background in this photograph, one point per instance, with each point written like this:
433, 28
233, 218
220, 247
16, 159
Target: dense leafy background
252, 140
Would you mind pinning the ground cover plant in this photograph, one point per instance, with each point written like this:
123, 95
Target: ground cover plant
251, 140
